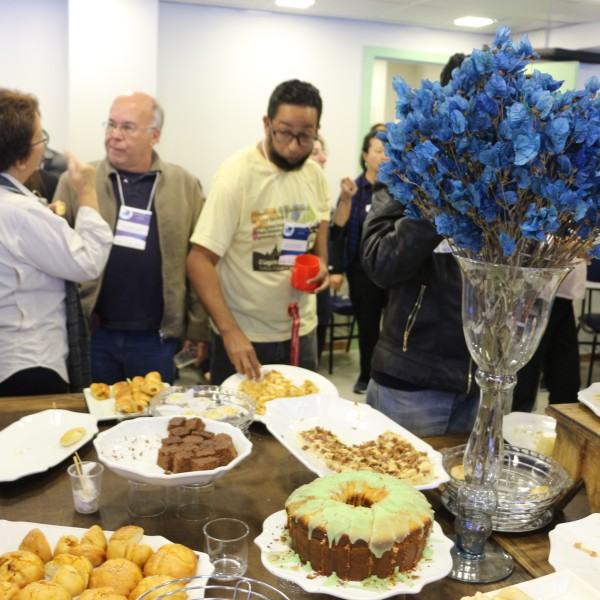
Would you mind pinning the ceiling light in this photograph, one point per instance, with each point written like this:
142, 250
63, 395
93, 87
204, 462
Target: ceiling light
294, 3
473, 21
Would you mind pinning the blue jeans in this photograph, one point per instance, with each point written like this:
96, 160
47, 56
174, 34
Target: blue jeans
268, 353
117, 355
425, 412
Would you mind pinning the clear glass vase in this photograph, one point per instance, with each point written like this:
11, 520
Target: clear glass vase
505, 310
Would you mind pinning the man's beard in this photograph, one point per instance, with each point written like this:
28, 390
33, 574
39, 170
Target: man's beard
283, 163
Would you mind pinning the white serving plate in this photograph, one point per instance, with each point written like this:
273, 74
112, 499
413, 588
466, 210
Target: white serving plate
32, 444
296, 375
575, 547
279, 559
13, 532
105, 410
591, 398
130, 449
352, 422
562, 585
526, 430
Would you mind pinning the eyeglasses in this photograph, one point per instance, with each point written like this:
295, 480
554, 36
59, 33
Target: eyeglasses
127, 129
304, 140
44, 140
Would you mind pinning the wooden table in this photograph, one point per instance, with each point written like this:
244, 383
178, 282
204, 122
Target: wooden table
255, 489
577, 446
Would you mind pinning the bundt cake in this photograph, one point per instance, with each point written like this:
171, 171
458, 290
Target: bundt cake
358, 524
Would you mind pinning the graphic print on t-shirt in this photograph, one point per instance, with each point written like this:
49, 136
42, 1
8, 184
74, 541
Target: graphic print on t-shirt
267, 233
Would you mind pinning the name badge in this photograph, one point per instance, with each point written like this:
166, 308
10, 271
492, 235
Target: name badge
132, 228
293, 243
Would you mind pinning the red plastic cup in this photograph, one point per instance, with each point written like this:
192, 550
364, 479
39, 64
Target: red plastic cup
306, 267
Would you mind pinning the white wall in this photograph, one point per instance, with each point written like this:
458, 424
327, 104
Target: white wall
212, 69
217, 68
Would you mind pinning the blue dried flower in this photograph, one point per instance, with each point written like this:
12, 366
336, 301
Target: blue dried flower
504, 164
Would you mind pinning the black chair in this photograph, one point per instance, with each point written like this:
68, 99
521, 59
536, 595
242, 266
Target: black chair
341, 307
589, 321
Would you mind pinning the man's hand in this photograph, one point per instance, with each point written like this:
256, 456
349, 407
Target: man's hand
336, 281
201, 350
241, 353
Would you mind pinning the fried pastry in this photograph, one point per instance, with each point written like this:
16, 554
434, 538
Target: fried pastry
100, 391
35, 541
120, 574
174, 560
43, 590
21, 567
152, 581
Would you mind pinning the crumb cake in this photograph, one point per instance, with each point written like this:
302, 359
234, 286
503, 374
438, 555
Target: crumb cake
358, 524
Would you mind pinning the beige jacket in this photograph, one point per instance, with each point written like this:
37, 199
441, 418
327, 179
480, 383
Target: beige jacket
177, 204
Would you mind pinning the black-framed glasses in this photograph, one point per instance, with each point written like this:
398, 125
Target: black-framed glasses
304, 140
44, 139
127, 129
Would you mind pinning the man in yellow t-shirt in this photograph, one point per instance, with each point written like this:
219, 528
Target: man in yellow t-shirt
267, 203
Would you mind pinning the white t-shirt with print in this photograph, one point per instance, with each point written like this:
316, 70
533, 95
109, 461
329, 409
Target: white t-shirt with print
249, 201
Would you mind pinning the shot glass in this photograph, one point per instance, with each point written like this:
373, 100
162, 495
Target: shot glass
195, 502
226, 543
146, 500
185, 357
86, 484
305, 267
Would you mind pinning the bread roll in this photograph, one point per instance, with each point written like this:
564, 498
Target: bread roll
21, 567
35, 541
95, 536
81, 563
120, 574
153, 376
129, 533
43, 590
94, 554
101, 593
136, 553
64, 544
72, 436
8, 590
100, 391
154, 580
69, 578
175, 560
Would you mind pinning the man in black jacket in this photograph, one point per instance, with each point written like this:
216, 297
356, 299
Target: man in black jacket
422, 374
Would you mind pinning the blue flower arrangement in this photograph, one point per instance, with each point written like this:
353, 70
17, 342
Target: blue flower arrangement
505, 165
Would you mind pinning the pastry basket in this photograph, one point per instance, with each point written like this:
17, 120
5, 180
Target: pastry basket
239, 588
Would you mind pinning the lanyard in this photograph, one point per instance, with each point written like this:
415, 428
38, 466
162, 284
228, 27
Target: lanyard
152, 192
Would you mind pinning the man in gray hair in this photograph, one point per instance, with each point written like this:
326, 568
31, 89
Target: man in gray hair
141, 307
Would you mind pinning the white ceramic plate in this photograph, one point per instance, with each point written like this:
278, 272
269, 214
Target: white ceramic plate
295, 374
528, 430
591, 398
130, 449
352, 422
104, 410
32, 444
13, 532
575, 547
562, 585
279, 559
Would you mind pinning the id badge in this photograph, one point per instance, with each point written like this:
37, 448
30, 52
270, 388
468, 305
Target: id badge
132, 228
294, 242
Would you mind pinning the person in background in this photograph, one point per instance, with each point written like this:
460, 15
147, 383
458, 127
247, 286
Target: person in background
141, 306
422, 375
267, 203
368, 299
557, 356
39, 254
43, 182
